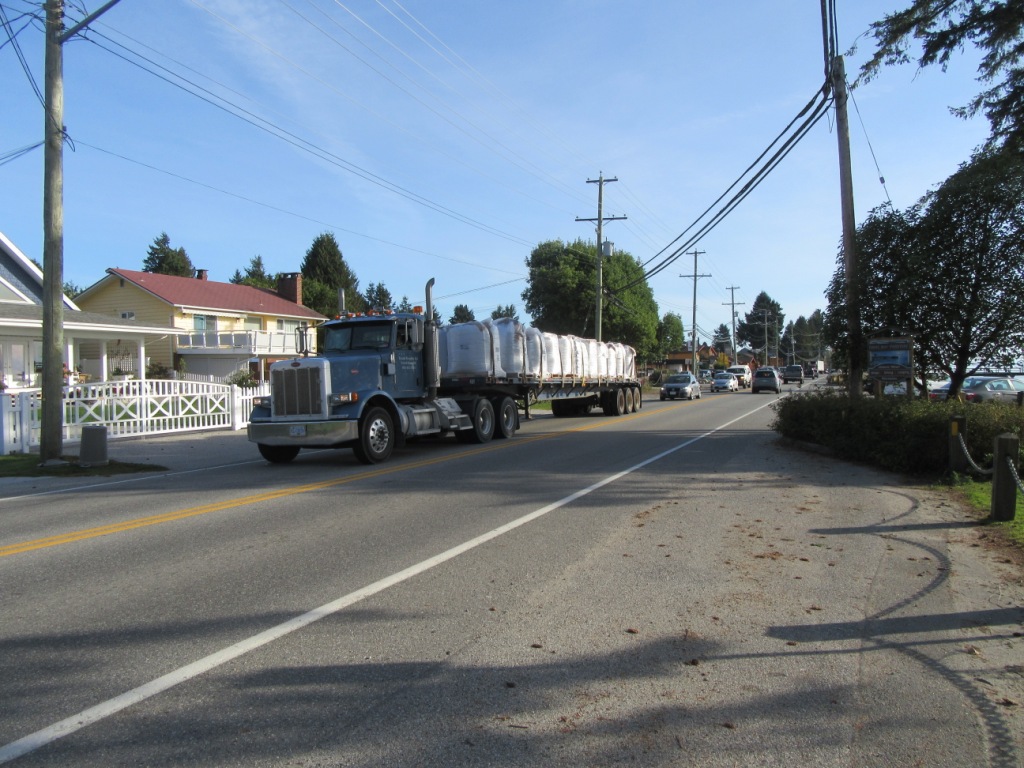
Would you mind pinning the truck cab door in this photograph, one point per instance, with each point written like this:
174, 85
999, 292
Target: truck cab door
409, 382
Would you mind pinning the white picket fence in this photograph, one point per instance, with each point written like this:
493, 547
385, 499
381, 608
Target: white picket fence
128, 409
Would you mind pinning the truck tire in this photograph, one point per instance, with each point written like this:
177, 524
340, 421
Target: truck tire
638, 398
630, 401
507, 413
376, 437
559, 409
483, 423
615, 403
278, 454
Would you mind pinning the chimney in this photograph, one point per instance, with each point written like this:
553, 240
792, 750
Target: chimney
201, 274
289, 286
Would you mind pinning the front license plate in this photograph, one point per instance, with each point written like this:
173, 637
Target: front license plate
297, 430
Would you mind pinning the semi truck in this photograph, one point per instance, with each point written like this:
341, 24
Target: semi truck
381, 378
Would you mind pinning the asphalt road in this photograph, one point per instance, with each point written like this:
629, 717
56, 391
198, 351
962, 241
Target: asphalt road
671, 587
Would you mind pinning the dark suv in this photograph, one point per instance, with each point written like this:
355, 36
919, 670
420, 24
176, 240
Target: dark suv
793, 373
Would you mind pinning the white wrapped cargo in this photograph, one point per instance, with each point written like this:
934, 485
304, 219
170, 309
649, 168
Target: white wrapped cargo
497, 370
565, 353
468, 349
628, 362
535, 362
552, 357
512, 345
580, 357
613, 351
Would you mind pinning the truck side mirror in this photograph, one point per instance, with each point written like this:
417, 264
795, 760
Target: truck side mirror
302, 341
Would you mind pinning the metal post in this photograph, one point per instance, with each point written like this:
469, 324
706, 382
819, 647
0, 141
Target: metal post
1004, 488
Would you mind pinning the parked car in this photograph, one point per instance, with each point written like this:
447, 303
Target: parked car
979, 389
793, 373
724, 382
742, 374
766, 379
680, 385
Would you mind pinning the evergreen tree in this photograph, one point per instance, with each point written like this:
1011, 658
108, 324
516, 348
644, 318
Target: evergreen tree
324, 273
506, 311
377, 296
462, 314
164, 260
255, 275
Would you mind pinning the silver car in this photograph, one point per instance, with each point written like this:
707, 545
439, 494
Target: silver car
680, 385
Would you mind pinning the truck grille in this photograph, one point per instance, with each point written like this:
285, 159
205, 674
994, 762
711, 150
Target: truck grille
297, 391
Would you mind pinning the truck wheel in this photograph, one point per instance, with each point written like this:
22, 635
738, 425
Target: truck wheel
483, 421
278, 454
558, 409
630, 402
508, 417
376, 437
638, 397
615, 405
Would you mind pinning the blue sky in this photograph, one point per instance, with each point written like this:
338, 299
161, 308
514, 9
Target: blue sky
458, 134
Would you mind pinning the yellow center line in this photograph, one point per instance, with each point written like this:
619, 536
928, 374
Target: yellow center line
204, 509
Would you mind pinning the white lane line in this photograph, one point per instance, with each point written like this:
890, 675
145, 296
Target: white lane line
112, 706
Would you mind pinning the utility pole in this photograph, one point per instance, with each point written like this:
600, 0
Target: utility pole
601, 246
850, 260
732, 304
764, 322
52, 409
693, 329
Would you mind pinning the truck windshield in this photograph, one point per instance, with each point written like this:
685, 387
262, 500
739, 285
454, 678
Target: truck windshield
342, 338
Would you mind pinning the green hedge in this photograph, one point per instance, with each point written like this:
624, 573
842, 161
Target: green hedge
892, 432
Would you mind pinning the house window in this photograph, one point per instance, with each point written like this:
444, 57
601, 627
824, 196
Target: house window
204, 322
127, 314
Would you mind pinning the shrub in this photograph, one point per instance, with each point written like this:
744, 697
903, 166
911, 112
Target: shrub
242, 378
892, 432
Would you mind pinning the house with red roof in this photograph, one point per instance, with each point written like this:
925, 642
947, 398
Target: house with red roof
21, 327
215, 328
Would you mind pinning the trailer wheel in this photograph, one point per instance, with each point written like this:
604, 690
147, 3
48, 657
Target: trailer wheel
376, 437
483, 428
559, 409
630, 401
507, 417
638, 398
278, 454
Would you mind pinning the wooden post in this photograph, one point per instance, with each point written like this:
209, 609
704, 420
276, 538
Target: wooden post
1004, 487
957, 459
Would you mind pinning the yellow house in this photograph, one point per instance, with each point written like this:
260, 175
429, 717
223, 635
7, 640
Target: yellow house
217, 328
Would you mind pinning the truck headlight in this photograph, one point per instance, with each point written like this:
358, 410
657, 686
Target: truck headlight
263, 401
342, 398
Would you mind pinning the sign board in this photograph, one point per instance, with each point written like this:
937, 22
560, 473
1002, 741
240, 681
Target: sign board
890, 359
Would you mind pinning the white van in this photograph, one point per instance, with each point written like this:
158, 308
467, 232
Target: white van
742, 373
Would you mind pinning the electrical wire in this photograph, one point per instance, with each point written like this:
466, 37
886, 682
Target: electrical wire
291, 138
12, 38
285, 211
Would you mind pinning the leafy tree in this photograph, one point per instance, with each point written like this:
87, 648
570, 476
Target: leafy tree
71, 289
377, 296
324, 273
507, 311
949, 271
462, 314
561, 290
255, 275
161, 259
943, 27
670, 334
760, 326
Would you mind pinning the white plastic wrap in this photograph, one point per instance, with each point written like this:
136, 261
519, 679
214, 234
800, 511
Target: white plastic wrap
512, 349
535, 362
552, 357
566, 356
466, 349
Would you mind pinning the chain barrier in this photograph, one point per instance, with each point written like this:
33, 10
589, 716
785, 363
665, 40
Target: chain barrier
963, 446
1013, 471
